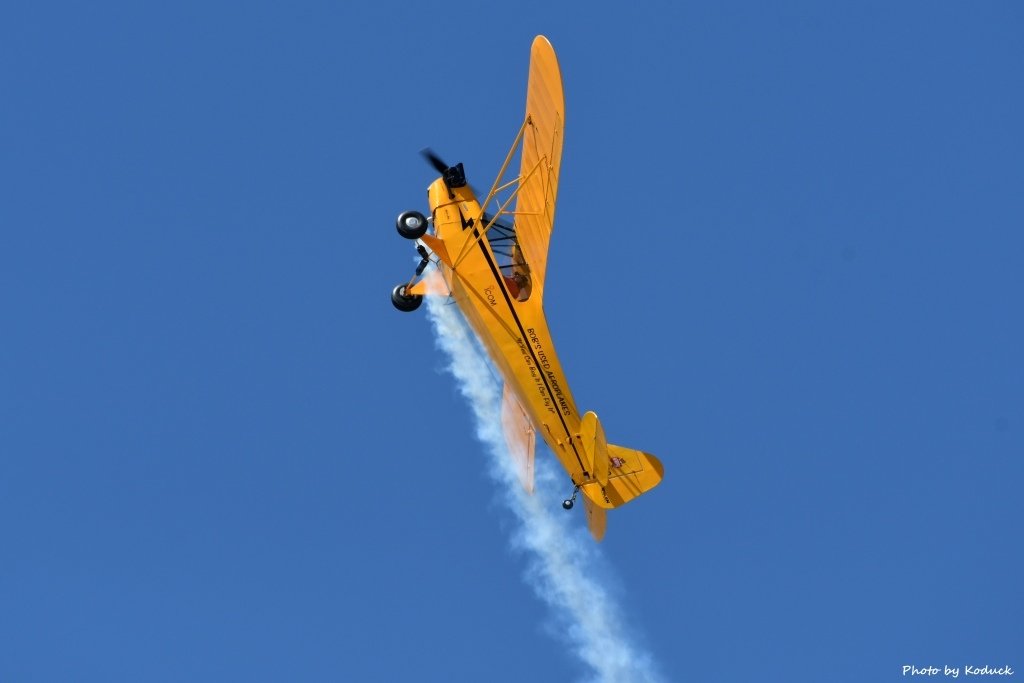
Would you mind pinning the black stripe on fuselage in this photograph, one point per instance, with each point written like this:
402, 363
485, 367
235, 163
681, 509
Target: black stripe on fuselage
515, 316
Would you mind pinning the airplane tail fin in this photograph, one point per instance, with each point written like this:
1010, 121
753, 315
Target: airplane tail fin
620, 474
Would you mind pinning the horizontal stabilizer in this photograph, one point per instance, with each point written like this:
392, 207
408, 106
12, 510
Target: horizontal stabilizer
617, 474
631, 473
597, 519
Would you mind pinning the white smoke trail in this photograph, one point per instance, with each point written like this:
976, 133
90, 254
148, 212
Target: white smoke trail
557, 554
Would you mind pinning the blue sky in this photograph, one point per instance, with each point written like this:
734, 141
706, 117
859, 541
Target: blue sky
787, 260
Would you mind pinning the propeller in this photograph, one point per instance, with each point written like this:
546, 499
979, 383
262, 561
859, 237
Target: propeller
454, 176
435, 161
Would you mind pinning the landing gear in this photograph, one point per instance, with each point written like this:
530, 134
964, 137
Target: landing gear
411, 225
424, 259
405, 302
569, 502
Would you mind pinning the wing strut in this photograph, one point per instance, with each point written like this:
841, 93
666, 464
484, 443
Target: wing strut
520, 183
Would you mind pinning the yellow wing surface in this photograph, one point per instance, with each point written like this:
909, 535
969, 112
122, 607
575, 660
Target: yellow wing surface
520, 436
540, 160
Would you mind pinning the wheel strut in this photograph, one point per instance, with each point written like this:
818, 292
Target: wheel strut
424, 259
569, 502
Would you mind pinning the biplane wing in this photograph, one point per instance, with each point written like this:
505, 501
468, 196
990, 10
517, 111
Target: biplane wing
540, 159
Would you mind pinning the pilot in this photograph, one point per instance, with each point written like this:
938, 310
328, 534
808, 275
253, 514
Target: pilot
518, 285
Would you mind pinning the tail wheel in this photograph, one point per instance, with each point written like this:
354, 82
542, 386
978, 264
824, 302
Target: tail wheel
411, 225
405, 302
569, 502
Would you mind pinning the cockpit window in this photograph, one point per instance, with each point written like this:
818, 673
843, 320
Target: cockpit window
514, 268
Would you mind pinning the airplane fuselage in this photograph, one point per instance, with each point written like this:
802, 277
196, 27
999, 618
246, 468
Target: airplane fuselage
514, 331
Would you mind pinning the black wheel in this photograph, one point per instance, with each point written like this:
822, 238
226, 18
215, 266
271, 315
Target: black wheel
567, 504
411, 225
405, 302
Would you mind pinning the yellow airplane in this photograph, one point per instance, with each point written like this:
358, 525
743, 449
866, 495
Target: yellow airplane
493, 266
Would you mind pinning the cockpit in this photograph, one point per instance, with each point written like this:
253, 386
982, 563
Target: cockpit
511, 261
